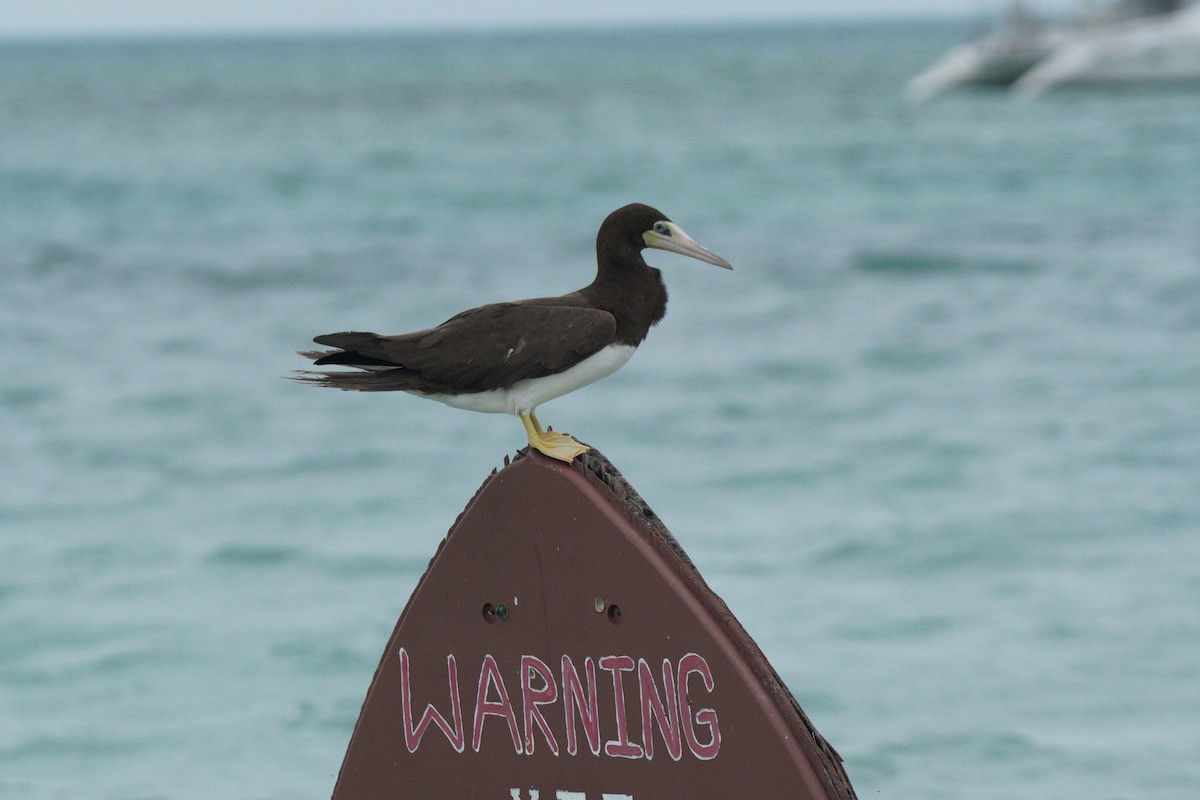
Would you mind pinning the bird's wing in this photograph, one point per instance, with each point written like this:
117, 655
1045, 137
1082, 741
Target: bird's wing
485, 348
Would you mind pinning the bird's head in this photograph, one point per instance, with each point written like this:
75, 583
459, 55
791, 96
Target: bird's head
639, 226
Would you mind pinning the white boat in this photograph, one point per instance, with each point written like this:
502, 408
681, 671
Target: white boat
1162, 49
999, 59
1147, 41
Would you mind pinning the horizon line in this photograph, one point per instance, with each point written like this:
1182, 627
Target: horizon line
312, 31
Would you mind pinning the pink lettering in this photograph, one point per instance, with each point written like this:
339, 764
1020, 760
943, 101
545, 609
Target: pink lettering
573, 695
413, 736
489, 675
688, 665
670, 706
654, 709
621, 746
532, 698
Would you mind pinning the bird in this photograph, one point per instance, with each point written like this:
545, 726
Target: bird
511, 357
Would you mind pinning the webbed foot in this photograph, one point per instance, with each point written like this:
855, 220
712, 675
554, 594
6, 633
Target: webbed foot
556, 445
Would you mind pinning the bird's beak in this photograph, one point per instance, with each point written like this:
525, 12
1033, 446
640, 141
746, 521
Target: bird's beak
673, 239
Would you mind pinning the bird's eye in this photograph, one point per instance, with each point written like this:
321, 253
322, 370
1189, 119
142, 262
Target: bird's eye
661, 229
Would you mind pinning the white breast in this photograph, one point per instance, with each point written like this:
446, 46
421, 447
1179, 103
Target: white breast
524, 396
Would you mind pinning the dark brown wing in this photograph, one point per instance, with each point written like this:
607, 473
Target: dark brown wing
485, 348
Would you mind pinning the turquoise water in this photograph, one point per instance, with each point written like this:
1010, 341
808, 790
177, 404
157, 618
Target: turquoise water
935, 440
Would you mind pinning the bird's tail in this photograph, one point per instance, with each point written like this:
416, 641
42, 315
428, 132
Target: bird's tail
365, 377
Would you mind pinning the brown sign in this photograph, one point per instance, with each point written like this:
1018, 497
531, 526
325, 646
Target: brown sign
561, 645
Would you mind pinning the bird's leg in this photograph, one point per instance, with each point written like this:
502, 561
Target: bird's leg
555, 445
548, 435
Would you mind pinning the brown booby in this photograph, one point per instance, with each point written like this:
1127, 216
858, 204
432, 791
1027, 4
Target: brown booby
509, 358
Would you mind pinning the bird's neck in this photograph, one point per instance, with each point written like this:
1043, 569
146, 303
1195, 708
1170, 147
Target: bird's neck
631, 290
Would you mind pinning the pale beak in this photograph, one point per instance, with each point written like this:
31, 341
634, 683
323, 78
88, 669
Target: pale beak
676, 241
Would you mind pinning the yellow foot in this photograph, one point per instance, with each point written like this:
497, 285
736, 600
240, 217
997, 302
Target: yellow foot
564, 448
555, 445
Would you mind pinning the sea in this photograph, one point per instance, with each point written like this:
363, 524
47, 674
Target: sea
935, 440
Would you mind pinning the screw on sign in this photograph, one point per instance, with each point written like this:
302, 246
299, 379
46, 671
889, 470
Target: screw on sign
617, 675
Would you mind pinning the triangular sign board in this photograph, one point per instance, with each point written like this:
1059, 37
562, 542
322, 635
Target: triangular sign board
562, 646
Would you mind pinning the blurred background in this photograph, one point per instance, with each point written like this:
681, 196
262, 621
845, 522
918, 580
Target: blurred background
934, 440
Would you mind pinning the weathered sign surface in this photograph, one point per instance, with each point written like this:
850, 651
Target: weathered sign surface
561, 645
